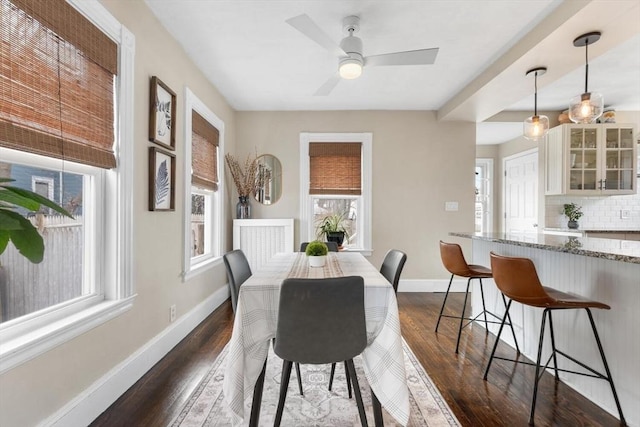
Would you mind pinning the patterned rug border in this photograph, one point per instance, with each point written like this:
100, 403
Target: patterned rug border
424, 376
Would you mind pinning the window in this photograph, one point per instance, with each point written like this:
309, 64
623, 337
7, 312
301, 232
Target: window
72, 63
335, 177
484, 196
204, 134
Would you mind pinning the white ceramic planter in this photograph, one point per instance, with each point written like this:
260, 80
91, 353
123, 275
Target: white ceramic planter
317, 261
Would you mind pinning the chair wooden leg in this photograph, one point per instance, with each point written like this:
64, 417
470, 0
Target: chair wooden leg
606, 367
299, 375
346, 371
351, 371
444, 303
495, 345
284, 385
333, 371
538, 367
257, 398
464, 306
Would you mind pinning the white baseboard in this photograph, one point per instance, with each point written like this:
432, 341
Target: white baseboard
88, 405
420, 285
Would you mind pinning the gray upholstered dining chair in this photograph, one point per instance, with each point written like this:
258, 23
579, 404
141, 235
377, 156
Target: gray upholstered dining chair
391, 269
238, 271
332, 246
311, 328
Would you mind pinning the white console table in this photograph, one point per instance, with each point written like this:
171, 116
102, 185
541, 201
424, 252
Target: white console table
260, 239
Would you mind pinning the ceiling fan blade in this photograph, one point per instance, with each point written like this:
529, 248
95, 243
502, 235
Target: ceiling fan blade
306, 26
328, 86
410, 57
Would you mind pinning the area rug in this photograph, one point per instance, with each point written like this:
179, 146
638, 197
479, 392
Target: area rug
318, 406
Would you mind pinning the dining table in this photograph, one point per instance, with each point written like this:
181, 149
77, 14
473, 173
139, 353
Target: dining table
255, 325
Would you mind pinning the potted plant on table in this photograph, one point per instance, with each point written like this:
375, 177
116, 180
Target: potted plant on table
333, 228
317, 253
574, 213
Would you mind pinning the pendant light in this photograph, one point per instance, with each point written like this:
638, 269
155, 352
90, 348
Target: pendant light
586, 108
536, 127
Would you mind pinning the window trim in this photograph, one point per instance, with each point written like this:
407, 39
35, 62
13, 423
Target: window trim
114, 262
192, 266
307, 232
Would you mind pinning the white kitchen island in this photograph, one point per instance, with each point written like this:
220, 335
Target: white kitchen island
605, 270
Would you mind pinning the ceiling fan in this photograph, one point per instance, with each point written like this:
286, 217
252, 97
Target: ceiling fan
349, 52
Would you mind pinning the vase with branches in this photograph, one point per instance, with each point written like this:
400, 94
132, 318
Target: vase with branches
244, 178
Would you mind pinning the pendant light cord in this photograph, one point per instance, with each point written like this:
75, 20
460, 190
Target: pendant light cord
586, 67
535, 95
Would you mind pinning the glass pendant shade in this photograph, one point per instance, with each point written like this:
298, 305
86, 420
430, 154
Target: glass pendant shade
536, 127
586, 108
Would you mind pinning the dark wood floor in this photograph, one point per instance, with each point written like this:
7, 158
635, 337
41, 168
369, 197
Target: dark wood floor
502, 400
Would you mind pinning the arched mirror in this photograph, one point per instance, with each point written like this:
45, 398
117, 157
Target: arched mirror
268, 179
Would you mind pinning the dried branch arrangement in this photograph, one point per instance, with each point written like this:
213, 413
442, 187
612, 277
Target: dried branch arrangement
244, 176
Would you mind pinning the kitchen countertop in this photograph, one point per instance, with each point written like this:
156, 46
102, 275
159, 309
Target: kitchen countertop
612, 249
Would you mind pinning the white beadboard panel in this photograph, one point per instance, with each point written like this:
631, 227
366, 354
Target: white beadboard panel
260, 239
612, 282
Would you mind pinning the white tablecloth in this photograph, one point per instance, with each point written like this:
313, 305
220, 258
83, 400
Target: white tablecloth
255, 326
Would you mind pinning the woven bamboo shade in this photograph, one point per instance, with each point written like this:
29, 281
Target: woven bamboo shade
204, 153
335, 168
57, 75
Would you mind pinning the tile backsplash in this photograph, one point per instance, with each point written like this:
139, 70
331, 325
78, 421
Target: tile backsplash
600, 213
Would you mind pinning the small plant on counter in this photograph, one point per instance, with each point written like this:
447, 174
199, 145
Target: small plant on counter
316, 248
574, 213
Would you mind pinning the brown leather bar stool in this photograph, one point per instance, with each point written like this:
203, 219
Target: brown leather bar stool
454, 262
518, 280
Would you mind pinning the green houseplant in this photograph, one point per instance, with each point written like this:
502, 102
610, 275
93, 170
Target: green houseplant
15, 227
317, 253
574, 213
333, 228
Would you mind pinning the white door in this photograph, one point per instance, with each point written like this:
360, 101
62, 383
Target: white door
521, 193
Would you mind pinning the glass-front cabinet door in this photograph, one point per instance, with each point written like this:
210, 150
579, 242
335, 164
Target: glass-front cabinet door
591, 159
619, 172
583, 158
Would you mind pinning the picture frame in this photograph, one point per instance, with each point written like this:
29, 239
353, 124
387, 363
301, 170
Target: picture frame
162, 180
162, 114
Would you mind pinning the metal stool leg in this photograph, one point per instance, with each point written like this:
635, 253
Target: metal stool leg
553, 346
504, 300
444, 302
464, 306
333, 371
537, 379
346, 371
495, 345
484, 309
606, 366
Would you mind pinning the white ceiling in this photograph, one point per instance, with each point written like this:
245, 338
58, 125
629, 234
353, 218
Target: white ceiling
259, 62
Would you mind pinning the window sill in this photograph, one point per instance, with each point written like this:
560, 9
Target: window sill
201, 267
16, 351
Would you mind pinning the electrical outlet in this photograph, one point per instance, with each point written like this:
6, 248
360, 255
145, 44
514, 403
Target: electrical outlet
172, 312
451, 206
625, 214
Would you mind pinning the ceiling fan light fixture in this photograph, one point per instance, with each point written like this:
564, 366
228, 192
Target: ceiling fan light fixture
536, 126
350, 68
588, 106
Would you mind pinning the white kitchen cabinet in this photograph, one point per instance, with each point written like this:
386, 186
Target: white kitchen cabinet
596, 159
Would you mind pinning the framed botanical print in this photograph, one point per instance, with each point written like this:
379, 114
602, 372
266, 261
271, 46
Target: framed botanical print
162, 114
162, 180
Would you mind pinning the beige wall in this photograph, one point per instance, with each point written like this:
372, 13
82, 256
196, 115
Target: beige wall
36, 389
418, 164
